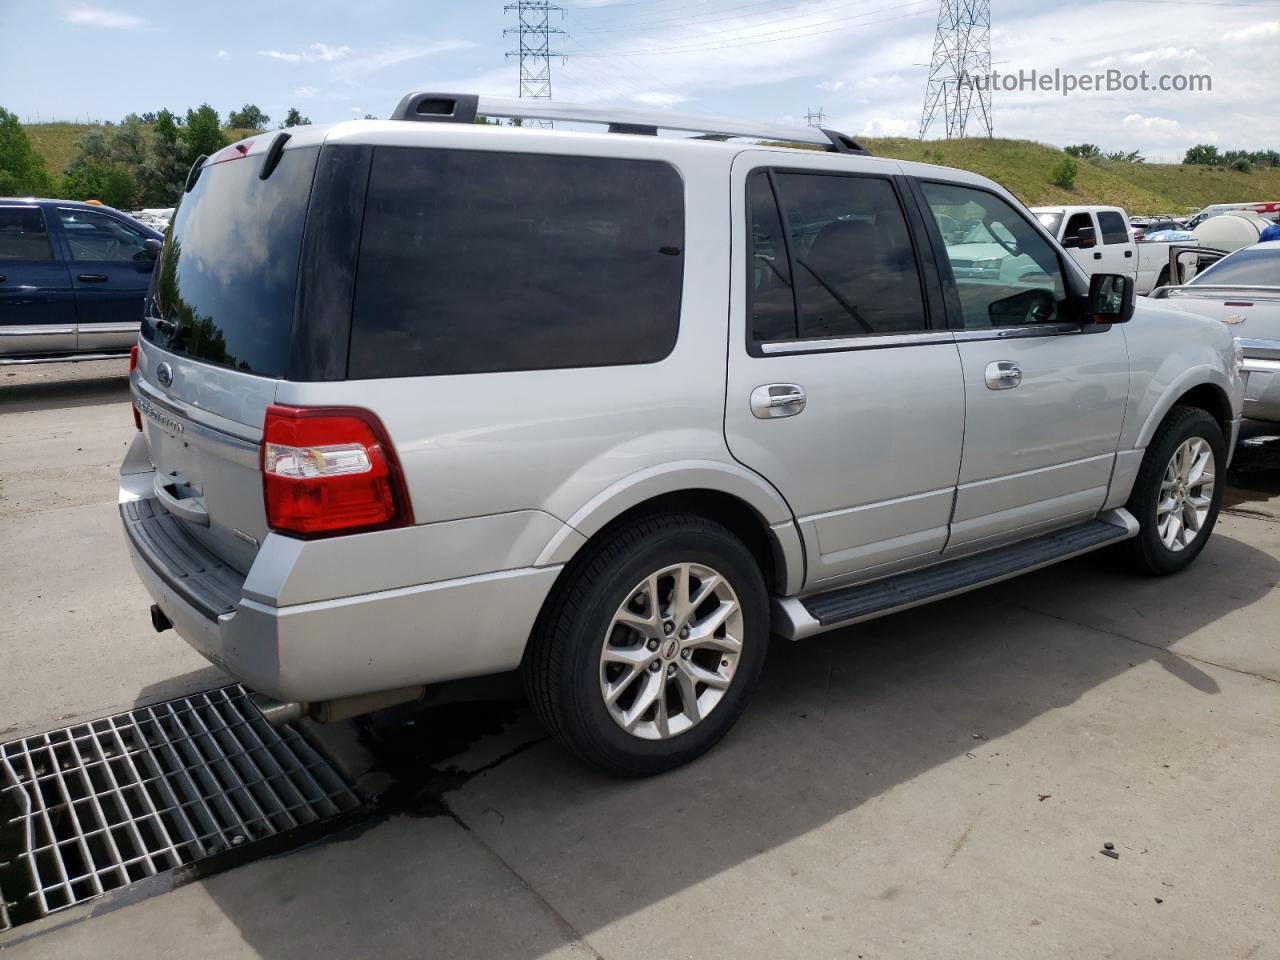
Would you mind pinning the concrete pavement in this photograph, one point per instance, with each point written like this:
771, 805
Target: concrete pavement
934, 784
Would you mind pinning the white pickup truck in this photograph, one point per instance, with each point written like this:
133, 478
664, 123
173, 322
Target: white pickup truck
1101, 241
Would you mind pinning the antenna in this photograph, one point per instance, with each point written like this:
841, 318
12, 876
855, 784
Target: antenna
960, 69
534, 30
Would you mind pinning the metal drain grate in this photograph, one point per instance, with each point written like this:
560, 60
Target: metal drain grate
95, 806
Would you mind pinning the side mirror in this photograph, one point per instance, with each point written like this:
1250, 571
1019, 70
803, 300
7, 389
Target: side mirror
1112, 298
1082, 239
152, 249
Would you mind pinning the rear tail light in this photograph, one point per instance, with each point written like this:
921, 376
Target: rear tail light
330, 470
133, 365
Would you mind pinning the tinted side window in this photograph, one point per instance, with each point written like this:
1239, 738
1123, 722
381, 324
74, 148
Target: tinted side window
773, 306
1246, 268
97, 236
851, 256
1113, 227
479, 262
1078, 222
23, 235
1006, 273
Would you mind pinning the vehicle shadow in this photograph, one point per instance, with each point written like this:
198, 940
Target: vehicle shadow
56, 394
839, 721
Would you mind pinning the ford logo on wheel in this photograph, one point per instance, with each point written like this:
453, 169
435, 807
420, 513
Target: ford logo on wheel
164, 375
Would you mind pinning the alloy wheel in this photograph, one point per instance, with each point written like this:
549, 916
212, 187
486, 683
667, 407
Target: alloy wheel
671, 650
1186, 493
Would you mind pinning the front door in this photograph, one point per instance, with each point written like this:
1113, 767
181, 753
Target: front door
110, 270
37, 307
1045, 397
844, 387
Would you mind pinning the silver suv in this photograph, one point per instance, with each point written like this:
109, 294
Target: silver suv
430, 398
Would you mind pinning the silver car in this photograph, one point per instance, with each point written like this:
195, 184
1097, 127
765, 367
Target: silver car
423, 398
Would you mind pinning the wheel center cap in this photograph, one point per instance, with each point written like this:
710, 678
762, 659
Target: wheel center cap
670, 649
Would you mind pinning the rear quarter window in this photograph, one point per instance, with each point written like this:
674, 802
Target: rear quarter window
474, 262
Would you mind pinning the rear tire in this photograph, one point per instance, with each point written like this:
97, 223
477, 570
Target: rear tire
637, 687
1178, 492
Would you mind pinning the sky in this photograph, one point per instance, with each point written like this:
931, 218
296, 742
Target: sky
864, 63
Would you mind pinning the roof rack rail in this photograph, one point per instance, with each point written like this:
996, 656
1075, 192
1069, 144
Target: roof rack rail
465, 107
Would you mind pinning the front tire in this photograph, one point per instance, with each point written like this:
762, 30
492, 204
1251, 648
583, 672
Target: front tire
650, 645
1178, 492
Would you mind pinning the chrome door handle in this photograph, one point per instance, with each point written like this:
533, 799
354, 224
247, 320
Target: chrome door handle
1003, 375
777, 400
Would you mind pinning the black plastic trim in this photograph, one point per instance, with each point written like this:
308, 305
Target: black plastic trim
194, 173
639, 129
437, 107
843, 143
181, 562
321, 335
274, 153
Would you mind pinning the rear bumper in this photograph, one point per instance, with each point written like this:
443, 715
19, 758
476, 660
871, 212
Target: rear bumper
326, 649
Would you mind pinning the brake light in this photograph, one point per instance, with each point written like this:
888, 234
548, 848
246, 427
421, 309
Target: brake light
133, 365
330, 470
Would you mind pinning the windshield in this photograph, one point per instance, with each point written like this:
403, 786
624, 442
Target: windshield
225, 286
1050, 221
1244, 268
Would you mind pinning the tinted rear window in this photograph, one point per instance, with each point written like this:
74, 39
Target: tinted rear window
1113, 226
479, 262
22, 234
1245, 268
225, 286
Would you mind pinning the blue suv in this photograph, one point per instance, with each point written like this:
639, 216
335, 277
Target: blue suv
72, 280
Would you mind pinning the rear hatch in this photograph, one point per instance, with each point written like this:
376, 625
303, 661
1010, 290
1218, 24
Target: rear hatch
216, 340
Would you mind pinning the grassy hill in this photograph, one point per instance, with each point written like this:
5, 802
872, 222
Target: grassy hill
1022, 166
56, 142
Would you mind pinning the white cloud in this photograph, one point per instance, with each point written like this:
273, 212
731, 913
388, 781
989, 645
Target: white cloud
316, 53
1263, 30
221, 55
104, 19
659, 99
397, 55
831, 86
305, 93
1150, 123
888, 127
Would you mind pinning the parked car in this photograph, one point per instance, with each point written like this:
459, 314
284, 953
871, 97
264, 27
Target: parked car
403, 419
1101, 241
72, 280
1243, 291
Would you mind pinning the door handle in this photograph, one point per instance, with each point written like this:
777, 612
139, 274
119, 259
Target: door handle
1128, 253
1003, 375
188, 508
777, 400
3, 278
92, 278
1097, 256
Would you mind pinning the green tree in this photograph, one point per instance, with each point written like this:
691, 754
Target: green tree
91, 180
1084, 151
294, 118
201, 134
1203, 153
248, 117
1064, 174
22, 170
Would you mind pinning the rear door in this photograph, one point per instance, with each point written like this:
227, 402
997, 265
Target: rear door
1045, 398
110, 272
216, 340
37, 306
844, 387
